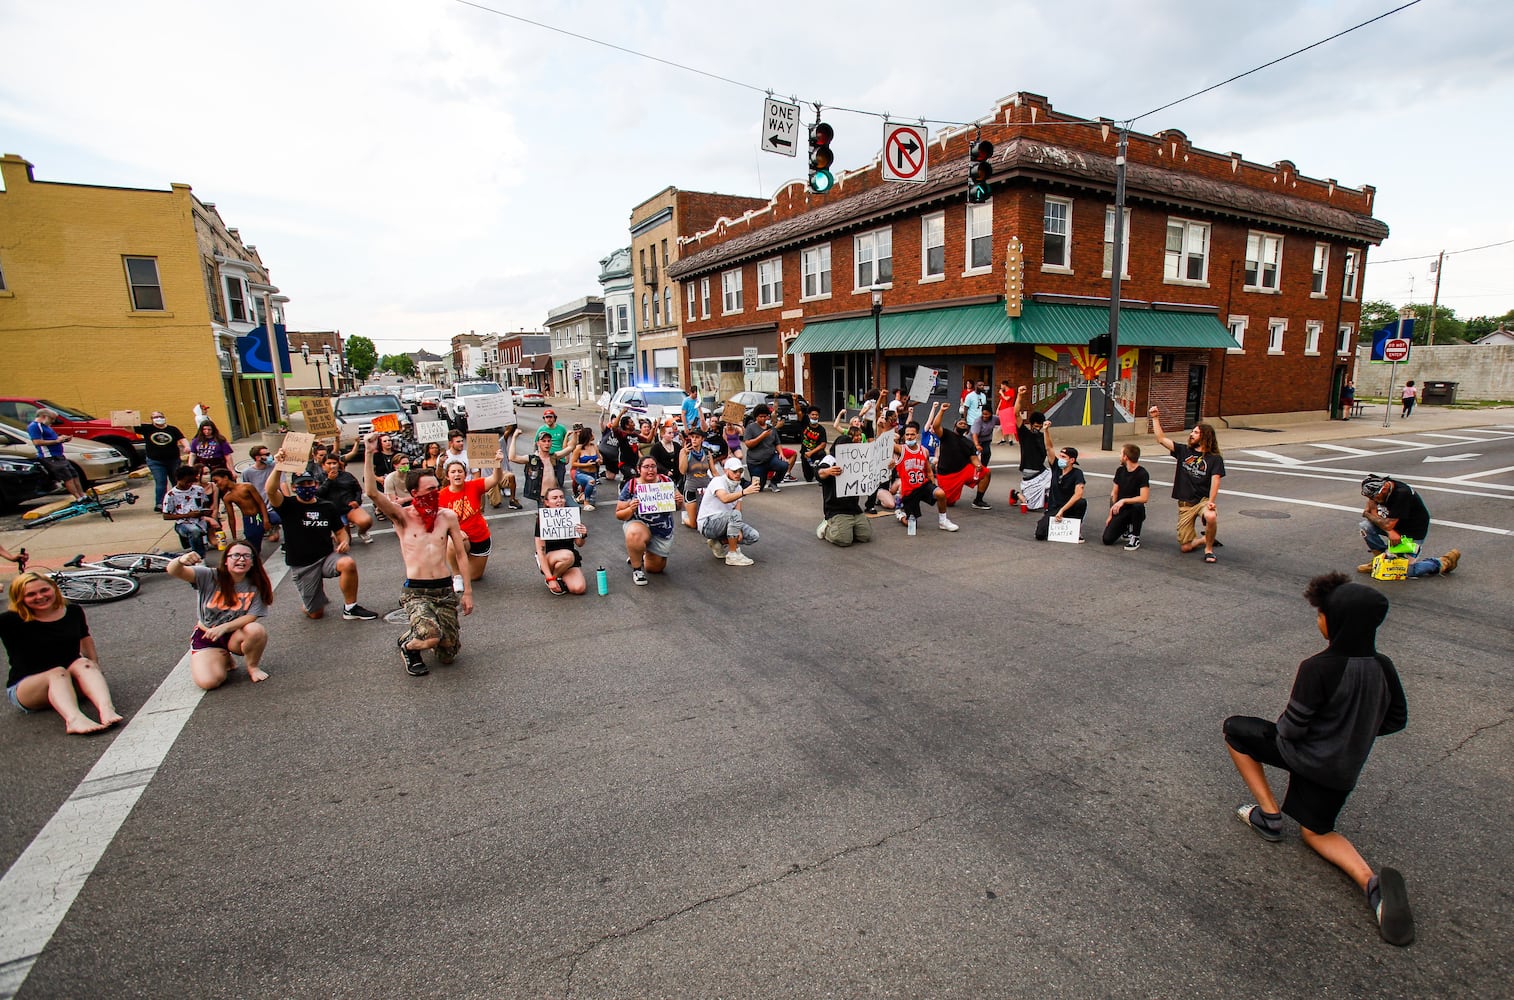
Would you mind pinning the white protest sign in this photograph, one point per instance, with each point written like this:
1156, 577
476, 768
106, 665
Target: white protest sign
886, 447
427, 431
656, 498
925, 381
557, 522
1069, 529
491, 411
862, 468
603, 402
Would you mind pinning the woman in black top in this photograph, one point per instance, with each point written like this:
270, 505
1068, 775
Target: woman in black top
52, 656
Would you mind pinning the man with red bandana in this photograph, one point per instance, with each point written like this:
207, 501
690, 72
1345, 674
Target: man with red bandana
424, 529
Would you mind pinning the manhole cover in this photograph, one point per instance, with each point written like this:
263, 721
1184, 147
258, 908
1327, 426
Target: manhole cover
1267, 515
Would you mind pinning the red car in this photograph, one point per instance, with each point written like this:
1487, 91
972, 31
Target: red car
19, 411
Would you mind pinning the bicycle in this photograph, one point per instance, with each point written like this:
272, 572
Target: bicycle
91, 503
112, 578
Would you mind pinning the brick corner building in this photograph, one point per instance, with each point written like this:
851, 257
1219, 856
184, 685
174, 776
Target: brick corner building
1241, 283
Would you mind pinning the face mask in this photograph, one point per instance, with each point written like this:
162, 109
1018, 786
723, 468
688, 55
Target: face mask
159, 422
425, 504
307, 492
1061, 463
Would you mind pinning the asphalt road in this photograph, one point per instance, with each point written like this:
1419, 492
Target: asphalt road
958, 765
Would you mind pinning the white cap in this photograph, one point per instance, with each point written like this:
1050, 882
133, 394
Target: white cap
734, 464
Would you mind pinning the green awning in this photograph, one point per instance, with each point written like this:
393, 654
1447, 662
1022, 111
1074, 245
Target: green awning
1039, 323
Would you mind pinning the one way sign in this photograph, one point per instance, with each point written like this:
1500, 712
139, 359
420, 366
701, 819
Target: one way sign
780, 127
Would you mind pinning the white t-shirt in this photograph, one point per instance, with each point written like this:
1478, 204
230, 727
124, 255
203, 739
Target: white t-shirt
710, 504
448, 457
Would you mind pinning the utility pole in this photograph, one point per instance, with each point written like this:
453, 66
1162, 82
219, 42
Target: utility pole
1435, 301
1112, 363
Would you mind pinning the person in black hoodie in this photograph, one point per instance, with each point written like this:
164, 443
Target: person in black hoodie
1343, 698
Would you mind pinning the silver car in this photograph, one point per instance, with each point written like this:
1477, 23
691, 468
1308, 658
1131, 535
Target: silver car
92, 462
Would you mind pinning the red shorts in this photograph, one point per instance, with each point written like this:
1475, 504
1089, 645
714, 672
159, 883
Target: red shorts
954, 483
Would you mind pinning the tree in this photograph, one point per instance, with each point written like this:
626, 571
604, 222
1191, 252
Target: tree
1479, 326
399, 364
483, 371
1447, 327
1376, 315
362, 357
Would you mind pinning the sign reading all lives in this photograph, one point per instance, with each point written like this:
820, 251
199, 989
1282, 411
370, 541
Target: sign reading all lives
780, 127
557, 523
656, 498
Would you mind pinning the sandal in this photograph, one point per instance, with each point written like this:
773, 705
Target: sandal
555, 586
1210, 557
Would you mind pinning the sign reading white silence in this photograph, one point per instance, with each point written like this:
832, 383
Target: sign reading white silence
656, 498
558, 522
490, 412
862, 468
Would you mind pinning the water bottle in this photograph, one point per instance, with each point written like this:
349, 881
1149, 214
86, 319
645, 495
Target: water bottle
603, 580
912, 527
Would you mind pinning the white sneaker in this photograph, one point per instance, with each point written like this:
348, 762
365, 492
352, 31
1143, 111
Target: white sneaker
362, 536
717, 548
820, 531
738, 558
587, 506
944, 523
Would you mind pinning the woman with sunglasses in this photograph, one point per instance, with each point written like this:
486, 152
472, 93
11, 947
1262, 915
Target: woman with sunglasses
52, 656
232, 597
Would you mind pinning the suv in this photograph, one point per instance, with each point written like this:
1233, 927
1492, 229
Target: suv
652, 402
355, 412
22, 410
455, 411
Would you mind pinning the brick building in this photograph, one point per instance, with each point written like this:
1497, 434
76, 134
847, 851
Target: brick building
127, 298
1241, 291
658, 226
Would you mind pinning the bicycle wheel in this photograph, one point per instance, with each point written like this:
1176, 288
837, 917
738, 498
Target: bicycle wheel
97, 588
72, 510
139, 562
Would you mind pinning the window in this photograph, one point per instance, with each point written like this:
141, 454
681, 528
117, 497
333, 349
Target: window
1348, 286
1275, 330
933, 245
690, 296
1311, 336
1264, 255
142, 278
645, 315
815, 263
1238, 331
704, 298
656, 310
2, 280
622, 319
1187, 251
664, 254
875, 258
730, 291
1343, 337
1321, 266
236, 299
667, 303
770, 282
980, 236
1109, 242
1056, 236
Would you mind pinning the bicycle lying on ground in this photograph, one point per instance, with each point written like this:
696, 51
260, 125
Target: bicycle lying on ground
90, 503
112, 578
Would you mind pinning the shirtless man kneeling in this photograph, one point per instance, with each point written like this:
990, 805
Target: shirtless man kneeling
423, 531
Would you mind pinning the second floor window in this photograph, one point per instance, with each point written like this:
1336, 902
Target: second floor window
236, 299
1264, 258
690, 297
933, 245
1321, 268
730, 291
875, 258
1056, 233
770, 282
142, 277
1187, 251
816, 265
704, 298
1348, 286
980, 236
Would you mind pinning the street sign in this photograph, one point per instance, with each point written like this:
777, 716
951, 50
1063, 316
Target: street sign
749, 360
780, 127
1395, 349
904, 152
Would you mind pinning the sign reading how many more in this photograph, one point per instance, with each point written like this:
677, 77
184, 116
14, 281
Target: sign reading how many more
490, 411
656, 498
863, 467
557, 523
319, 420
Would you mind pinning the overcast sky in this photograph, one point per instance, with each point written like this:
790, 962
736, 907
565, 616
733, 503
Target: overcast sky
411, 169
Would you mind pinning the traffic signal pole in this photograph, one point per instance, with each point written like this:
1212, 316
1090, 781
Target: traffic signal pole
1111, 364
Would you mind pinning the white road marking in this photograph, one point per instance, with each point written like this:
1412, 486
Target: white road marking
1487, 472
1461, 438
1465, 456
1275, 457
1341, 448
38, 890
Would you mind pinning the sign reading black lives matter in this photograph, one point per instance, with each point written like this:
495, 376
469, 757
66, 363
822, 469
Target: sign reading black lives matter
863, 467
558, 522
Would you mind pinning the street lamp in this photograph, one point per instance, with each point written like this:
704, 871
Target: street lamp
877, 291
326, 349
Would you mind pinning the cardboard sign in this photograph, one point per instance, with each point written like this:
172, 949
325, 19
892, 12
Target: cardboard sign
558, 522
427, 431
1069, 529
125, 418
492, 411
481, 449
319, 418
656, 498
297, 445
862, 468
925, 381
603, 402
733, 413
386, 423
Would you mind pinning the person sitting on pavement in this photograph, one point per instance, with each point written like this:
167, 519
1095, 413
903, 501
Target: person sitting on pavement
720, 519
1064, 498
241, 499
843, 523
812, 444
166, 449
49, 445
1343, 698
960, 463
232, 597
666, 450
648, 533
52, 656
696, 467
1195, 484
465, 498
1033, 432
542, 468
559, 559
583, 465
426, 531
342, 490
1127, 500
1396, 521
315, 545
191, 508
917, 480
761, 443
256, 475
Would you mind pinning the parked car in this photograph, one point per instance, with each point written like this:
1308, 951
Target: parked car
782, 406
21, 479
355, 412
409, 396
456, 412
652, 402
428, 399
92, 462
21, 410
529, 397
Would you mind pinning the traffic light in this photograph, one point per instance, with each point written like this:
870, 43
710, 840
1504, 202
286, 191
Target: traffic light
979, 170
821, 158
1099, 346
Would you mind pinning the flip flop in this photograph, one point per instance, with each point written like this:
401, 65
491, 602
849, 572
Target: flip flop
1210, 557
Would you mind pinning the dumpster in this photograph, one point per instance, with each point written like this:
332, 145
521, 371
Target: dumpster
1440, 393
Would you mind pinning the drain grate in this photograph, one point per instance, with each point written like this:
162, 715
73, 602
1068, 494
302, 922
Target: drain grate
1266, 515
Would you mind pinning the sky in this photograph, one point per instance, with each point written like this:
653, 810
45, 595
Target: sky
413, 169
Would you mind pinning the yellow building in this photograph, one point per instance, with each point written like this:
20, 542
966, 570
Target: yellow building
125, 298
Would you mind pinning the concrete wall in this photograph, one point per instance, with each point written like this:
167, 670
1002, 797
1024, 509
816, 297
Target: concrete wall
1482, 372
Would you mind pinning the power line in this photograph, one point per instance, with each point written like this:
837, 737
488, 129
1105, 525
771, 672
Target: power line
1449, 253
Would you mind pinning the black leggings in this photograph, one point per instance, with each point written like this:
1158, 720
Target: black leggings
1130, 518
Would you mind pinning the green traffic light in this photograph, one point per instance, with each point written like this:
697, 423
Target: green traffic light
822, 181
977, 193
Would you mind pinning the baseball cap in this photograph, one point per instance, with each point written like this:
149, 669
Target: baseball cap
305, 477
734, 464
548, 413
1070, 452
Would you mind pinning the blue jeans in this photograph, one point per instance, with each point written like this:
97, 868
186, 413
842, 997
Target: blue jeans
191, 534
162, 475
1378, 542
774, 467
586, 484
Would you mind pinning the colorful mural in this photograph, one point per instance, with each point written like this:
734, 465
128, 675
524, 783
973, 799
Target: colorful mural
1069, 385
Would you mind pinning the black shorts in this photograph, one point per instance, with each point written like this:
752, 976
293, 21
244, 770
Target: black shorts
481, 549
1312, 804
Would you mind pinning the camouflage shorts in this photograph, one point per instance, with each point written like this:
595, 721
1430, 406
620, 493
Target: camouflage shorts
433, 615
